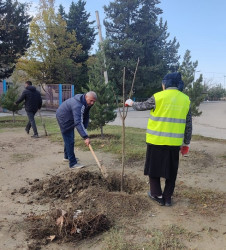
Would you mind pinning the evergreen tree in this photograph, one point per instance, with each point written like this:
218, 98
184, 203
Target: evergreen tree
215, 93
78, 21
103, 110
193, 88
51, 58
133, 30
14, 38
61, 12
8, 99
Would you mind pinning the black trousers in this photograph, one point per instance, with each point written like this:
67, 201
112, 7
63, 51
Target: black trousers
156, 190
31, 122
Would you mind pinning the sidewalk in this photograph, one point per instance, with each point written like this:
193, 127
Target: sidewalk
46, 113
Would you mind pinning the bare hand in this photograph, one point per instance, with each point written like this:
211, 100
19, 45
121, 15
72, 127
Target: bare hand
87, 142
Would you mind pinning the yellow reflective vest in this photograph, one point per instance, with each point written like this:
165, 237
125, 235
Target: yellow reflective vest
166, 124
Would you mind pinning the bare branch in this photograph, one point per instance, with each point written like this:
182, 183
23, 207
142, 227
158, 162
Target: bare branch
134, 77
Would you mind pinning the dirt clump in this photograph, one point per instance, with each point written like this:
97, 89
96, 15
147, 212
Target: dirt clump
65, 226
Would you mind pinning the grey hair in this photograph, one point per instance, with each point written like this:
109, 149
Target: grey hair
92, 94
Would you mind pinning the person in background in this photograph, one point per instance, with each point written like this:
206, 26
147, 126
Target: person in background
74, 113
33, 102
169, 131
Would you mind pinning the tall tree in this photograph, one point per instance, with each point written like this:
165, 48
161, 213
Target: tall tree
61, 11
134, 30
104, 109
78, 21
193, 88
14, 38
51, 58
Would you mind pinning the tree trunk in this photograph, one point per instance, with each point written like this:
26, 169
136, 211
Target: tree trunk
102, 132
123, 116
13, 117
123, 154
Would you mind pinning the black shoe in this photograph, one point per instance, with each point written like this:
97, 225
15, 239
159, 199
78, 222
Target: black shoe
155, 198
168, 203
27, 131
35, 136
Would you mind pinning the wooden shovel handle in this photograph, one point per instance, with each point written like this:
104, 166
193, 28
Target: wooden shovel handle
102, 168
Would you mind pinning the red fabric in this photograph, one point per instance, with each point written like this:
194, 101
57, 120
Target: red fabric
184, 150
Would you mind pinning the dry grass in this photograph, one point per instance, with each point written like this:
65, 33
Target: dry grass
204, 202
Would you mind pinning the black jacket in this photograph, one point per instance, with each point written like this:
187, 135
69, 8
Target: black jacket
32, 98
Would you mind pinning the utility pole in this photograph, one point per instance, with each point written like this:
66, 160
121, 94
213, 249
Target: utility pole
101, 45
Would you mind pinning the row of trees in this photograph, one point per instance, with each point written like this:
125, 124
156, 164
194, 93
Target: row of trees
57, 49
60, 45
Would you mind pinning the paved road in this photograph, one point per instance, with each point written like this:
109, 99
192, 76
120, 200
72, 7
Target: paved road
212, 122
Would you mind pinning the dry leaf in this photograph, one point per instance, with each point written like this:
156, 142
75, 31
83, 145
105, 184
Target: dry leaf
63, 212
73, 230
60, 221
51, 237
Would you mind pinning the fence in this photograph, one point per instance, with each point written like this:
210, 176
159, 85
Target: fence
52, 94
3, 89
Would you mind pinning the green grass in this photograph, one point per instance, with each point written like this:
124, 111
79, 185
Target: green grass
111, 142
203, 138
21, 121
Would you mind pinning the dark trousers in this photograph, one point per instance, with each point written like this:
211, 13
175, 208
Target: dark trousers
156, 190
69, 142
31, 122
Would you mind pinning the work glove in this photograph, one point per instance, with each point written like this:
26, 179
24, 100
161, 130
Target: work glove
184, 149
129, 103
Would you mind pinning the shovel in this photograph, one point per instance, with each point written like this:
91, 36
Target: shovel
102, 168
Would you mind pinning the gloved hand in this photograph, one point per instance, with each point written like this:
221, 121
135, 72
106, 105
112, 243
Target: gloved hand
129, 103
184, 149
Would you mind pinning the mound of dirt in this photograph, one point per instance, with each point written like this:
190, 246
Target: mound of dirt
69, 185
97, 200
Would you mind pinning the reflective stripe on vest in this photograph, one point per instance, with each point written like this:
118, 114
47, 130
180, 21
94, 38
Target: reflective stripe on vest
166, 124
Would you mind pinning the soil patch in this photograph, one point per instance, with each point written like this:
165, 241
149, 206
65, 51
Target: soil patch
45, 205
91, 204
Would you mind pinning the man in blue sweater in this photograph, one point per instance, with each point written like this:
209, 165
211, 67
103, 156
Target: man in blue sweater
74, 113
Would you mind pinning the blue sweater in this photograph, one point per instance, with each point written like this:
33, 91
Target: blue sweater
74, 113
